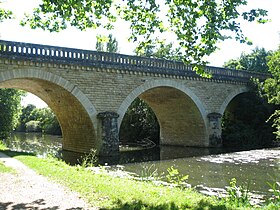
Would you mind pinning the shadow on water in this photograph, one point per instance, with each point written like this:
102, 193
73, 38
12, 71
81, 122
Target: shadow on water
139, 155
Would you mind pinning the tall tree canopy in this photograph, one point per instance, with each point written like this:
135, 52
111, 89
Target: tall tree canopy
272, 88
159, 49
198, 26
5, 14
9, 110
107, 44
254, 61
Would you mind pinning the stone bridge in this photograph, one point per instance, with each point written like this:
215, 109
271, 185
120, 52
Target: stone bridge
91, 91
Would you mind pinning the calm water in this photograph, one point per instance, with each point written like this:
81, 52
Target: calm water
205, 167
38, 143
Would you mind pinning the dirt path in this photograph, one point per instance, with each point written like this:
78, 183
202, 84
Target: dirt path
28, 190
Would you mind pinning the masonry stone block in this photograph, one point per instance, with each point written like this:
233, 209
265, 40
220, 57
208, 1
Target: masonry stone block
187, 106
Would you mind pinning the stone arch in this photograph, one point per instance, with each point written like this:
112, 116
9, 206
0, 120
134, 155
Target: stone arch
75, 113
183, 118
230, 97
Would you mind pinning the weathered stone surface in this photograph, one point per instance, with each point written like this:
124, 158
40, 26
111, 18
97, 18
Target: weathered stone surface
109, 134
77, 88
215, 129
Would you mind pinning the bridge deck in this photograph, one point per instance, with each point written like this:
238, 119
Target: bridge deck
94, 59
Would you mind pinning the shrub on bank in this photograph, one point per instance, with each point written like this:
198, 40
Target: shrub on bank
33, 126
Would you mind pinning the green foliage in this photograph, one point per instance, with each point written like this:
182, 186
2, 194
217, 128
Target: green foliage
149, 173
275, 189
25, 116
159, 49
244, 123
198, 26
175, 177
45, 119
90, 159
107, 44
9, 110
50, 124
272, 88
139, 123
5, 14
254, 61
5, 169
2, 146
275, 118
112, 45
238, 195
33, 126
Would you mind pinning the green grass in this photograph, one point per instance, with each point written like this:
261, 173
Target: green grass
106, 192
117, 193
5, 169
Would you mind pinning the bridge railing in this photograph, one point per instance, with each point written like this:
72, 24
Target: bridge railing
46, 53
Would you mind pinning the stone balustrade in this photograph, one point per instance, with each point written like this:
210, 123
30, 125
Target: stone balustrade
70, 56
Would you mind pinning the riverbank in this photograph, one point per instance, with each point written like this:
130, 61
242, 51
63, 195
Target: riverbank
22, 188
107, 192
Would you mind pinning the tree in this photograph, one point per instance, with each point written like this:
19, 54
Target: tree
112, 45
35, 119
110, 42
254, 61
25, 117
5, 14
49, 122
248, 123
198, 26
139, 123
272, 88
244, 122
9, 110
159, 49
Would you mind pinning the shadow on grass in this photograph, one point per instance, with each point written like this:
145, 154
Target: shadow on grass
37, 204
139, 205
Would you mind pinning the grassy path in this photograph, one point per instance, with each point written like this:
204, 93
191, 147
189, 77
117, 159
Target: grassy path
22, 188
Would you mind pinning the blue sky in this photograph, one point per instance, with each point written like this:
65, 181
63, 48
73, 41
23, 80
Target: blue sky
267, 36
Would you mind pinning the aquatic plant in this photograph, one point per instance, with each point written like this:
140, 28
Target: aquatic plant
90, 159
175, 177
149, 173
275, 189
238, 195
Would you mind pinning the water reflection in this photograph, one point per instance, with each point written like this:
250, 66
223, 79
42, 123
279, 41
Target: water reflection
37, 143
255, 167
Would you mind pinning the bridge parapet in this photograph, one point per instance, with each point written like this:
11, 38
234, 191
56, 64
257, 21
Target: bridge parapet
95, 59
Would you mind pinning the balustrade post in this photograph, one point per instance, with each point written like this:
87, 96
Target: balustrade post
215, 129
108, 134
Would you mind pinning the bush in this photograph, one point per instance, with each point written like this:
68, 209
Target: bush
33, 126
245, 123
139, 123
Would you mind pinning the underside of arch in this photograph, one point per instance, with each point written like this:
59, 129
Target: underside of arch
181, 114
74, 112
231, 97
180, 120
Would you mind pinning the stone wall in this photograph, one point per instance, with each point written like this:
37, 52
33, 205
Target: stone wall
77, 93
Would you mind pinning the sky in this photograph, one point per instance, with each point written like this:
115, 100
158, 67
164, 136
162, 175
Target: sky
267, 35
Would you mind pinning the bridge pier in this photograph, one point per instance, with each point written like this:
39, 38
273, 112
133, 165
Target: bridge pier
215, 129
108, 134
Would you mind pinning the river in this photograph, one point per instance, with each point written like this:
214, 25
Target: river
207, 168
